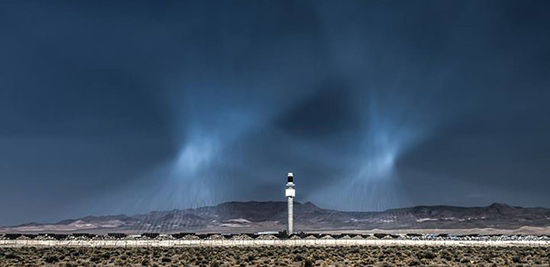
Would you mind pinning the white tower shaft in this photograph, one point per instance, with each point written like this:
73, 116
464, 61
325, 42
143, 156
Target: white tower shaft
290, 215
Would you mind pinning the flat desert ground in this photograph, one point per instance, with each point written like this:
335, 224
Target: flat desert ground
277, 256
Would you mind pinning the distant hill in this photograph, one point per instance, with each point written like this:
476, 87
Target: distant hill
271, 216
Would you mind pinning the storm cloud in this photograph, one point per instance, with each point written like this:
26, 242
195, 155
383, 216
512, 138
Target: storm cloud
125, 107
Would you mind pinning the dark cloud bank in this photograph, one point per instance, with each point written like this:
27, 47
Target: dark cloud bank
114, 107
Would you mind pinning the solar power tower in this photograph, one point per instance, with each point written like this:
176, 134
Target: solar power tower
290, 193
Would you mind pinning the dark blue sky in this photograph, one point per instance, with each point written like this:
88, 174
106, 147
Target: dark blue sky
124, 107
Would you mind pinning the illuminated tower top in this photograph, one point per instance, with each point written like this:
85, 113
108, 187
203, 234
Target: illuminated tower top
289, 192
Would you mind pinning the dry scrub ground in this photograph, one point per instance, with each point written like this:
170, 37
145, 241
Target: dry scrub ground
277, 256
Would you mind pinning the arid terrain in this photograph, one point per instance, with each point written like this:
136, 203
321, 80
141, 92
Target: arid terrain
278, 256
250, 217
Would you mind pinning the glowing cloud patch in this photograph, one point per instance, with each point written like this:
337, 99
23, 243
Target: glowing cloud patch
195, 155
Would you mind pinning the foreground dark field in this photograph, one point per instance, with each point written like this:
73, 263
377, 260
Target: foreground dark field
278, 256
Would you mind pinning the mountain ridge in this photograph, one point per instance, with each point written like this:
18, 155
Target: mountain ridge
252, 216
